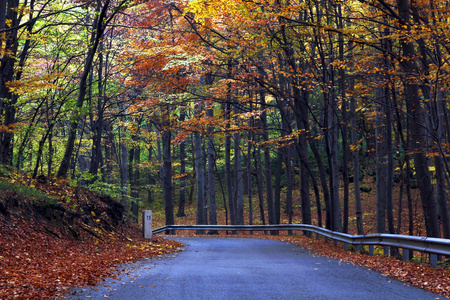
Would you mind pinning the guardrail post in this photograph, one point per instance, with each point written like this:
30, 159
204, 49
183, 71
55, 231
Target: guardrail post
346, 246
433, 260
358, 248
386, 251
405, 254
147, 223
370, 249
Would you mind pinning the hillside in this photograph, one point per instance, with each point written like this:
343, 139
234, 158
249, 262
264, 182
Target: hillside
53, 236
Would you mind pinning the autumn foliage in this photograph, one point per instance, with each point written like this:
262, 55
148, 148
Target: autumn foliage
304, 108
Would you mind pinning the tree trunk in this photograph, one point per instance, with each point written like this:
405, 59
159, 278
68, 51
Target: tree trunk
381, 159
123, 167
228, 171
150, 180
239, 178
332, 147
355, 164
200, 177
419, 141
439, 162
259, 183
167, 178
182, 202
211, 174
249, 179
323, 182
289, 183
343, 125
97, 125
277, 199
267, 166
135, 187
109, 145
7, 98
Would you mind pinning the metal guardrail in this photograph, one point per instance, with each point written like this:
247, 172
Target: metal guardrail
433, 246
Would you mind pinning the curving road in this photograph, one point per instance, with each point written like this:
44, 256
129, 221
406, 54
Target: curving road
238, 268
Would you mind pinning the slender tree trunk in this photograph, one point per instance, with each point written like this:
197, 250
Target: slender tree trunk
342, 85
381, 159
267, 167
249, 179
302, 123
323, 182
167, 178
277, 199
355, 164
228, 171
259, 182
7, 98
289, 183
200, 176
150, 180
182, 202
97, 125
239, 179
211, 175
136, 182
390, 168
409, 196
332, 147
123, 166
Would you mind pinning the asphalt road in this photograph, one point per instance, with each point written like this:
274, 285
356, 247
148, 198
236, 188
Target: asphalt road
237, 268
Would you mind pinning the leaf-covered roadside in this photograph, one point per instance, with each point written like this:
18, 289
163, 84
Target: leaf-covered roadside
48, 245
34, 264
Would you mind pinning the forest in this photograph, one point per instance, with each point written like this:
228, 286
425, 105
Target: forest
267, 110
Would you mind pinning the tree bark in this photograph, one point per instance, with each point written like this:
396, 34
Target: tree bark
123, 167
355, 164
200, 176
249, 179
7, 98
239, 178
211, 175
228, 171
419, 142
97, 125
167, 178
267, 165
182, 201
259, 183
277, 198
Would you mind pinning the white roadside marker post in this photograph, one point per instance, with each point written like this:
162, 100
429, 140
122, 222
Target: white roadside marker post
147, 223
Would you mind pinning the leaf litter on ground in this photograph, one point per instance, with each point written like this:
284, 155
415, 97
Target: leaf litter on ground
49, 244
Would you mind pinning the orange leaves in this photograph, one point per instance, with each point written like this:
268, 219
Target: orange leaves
11, 128
34, 264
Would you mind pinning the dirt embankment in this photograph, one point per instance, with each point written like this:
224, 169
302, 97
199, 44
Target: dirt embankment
53, 236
